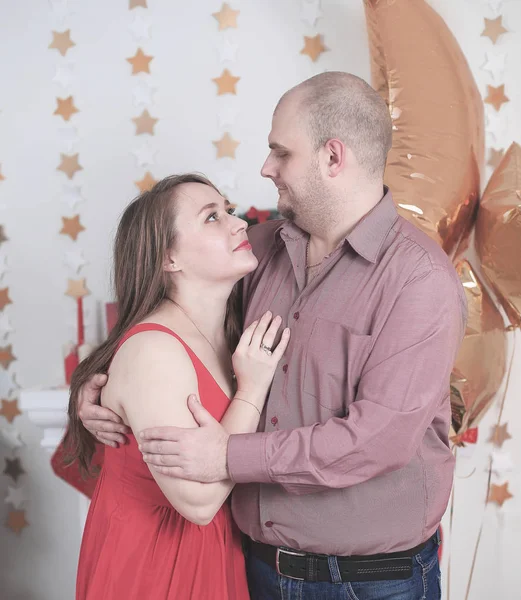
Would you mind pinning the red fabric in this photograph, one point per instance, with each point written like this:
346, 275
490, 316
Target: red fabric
136, 545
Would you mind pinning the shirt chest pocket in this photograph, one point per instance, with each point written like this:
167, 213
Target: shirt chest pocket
335, 356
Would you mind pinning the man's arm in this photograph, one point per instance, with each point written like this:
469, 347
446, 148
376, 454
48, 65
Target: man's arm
405, 381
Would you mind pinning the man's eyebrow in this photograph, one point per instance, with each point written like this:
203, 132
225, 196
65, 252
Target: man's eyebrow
276, 146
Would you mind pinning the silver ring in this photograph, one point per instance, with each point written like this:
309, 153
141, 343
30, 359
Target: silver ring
266, 349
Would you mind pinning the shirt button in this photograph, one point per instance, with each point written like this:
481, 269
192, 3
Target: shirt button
285, 368
274, 420
296, 315
269, 524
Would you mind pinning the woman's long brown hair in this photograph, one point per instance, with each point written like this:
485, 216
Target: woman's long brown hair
145, 233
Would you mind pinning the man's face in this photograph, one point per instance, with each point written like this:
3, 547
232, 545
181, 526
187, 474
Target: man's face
292, 164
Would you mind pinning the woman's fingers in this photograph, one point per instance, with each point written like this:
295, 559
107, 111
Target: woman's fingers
282, 345
260, 330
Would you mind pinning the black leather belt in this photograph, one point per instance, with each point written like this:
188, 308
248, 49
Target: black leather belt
306, 566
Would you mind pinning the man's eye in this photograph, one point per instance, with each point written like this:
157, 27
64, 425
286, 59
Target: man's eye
232, 211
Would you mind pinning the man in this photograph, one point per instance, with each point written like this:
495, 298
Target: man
341, 493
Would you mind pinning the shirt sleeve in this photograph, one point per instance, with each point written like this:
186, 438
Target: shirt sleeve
403, 385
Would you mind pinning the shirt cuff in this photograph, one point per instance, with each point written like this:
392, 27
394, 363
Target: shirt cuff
247, 458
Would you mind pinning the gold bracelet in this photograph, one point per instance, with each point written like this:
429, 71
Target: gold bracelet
248, 402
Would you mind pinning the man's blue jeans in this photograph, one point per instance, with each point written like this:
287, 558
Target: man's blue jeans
266, 584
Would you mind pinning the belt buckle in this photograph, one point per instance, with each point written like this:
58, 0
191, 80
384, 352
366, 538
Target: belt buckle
292, 553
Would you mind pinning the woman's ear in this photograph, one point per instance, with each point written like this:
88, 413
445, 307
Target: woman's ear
171, 265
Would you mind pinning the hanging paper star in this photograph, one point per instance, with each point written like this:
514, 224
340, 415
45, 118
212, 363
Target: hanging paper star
495, 125
495, 65
72, 195
69, 137
146, 183
76, 288
495, 5
10, 410
226, 83
496, 96
7, 383
3, 237
494, 28
2, 178
227, 51
10, 438
226, 146
143, 92
499, 494
75, 260
4, 298
310, 11
501, 462
72, 227
145, 123
61, 10
6, 357
16, 520
5, 326
15, 496
495, 157
65, 108
227, 17
63, 75
140, 62
13, 468
226, 179
144, 155
140, 27
313, 47
69, 164
227, 114
135, 3
499, 435
62, 41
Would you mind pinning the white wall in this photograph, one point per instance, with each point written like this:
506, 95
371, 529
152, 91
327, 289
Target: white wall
40, 563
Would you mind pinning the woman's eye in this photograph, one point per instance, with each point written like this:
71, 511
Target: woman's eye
212, 217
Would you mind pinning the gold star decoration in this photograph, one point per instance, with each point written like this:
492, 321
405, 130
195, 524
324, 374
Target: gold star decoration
72, 227
499, 435
6, 356
146, 183
145, 123
140, 62
226, 146
227, 17
69, 165
496, 96
65, 108
13, 468
10, 409
499, 494
3, 237
62, 41
226, 83
76, 288
4, 298
16, 520
494, 28
313, 47
495, 157
134, 3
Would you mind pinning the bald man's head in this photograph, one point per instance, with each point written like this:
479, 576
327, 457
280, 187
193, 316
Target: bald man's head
336, 105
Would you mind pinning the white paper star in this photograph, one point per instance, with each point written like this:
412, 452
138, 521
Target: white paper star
227, 114
226, 179
64, 75
69, 136
144, 155
71, 195
495, 124
143, 93
75, 260
11, 438
495, 5
5, 325
7, 383
310, 11
140, 27
227, 51
495, 65
3, 266
15, 496
501, 462
61, 10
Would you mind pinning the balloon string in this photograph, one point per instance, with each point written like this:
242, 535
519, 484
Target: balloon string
489, 478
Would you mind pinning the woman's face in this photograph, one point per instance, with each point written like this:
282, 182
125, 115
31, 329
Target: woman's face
211, 243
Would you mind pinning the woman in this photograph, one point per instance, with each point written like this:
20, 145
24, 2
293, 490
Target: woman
179, 251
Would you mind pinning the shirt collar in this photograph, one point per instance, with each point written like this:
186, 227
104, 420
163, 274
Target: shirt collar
367, 236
